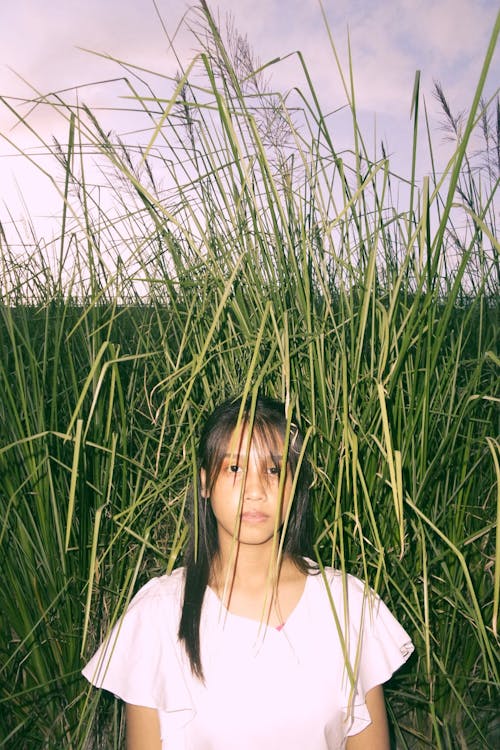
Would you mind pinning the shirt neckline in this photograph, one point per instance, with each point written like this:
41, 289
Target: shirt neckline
217, 601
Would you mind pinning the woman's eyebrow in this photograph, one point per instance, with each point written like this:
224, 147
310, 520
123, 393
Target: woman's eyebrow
242, 457
276, 458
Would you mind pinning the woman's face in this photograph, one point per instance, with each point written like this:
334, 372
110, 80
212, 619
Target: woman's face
245, 496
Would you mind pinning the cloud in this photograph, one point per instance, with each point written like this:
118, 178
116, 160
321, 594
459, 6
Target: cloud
446, 39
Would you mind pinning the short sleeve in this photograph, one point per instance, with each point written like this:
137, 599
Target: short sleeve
141, 661
376, 643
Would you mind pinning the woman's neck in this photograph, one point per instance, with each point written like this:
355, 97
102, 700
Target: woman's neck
251, 567
256, 586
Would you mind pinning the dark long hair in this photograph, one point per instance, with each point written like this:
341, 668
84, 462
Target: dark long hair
268, 423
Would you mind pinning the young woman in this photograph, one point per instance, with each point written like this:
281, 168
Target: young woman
250, 646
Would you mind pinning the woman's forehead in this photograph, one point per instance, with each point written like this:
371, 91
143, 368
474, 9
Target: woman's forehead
245, 441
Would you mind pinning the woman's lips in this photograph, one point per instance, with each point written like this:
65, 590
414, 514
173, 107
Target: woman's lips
253, 516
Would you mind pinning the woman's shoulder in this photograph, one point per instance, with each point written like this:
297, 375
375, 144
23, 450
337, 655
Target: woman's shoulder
166, 589
336, 577
141, 651
352, 599
153, 611
331, 575
340, 586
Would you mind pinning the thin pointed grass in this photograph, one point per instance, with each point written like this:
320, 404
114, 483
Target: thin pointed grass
279, 265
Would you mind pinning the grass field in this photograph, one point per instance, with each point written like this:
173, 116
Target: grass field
232, 248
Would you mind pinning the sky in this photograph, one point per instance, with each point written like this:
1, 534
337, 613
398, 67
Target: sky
43, 43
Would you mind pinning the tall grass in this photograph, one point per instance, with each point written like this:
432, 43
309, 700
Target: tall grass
230, 247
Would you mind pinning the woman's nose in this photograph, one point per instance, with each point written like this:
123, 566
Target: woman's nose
254, 484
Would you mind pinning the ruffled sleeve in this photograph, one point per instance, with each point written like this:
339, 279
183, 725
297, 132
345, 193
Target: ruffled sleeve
375, 641
141, 661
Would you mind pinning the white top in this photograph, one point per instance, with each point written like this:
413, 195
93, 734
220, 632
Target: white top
264, 688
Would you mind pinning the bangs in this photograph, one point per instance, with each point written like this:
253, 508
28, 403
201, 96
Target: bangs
268, 443
234, 437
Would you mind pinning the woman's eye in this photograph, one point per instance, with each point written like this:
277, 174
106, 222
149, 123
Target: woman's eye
274, 471
234, 468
